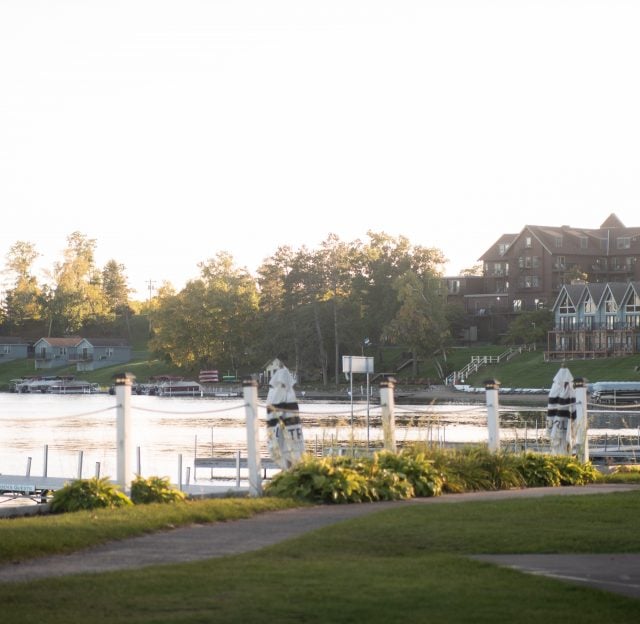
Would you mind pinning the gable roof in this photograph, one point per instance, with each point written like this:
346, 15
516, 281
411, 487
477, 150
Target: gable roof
71, 341
612, 221
493, 253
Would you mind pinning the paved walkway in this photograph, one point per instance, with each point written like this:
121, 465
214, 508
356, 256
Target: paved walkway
618, 573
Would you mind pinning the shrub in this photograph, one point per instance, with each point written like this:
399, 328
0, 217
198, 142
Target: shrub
154, 490
421, 472
88, 494
320, 481
574, 472
539, 470
383, 482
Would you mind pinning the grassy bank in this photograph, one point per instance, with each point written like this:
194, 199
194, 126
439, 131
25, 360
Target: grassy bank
527, 370
406, 564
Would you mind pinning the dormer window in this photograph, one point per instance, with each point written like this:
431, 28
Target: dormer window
584, 242
558, 241
610, 305
566, 306
589, 305
633, 305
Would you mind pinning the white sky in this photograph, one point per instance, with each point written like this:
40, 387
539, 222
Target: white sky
169, 130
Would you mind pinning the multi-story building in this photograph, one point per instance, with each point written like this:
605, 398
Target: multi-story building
525, 271
595, 320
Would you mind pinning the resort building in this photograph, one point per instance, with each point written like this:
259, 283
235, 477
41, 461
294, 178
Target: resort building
595, 320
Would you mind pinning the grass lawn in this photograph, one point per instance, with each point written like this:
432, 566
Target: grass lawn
402, 565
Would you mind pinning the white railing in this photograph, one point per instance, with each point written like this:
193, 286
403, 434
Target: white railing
478, 361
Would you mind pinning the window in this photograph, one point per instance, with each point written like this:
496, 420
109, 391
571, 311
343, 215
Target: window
559, 263
623, 242
589, 305
454, 287
633, 321
517, 305
535, 262
633, 305
502, 248
558, 241
610, 305
527, 242
6, 349
610, 321
584, 242
566, 306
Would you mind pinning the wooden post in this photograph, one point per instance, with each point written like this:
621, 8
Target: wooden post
250, 393
124, 472
387, 406
493, 422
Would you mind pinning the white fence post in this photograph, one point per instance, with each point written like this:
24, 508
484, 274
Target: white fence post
250, 393
387, 406
123, 382
493, 423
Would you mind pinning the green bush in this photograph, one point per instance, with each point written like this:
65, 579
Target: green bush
574, 472
154, 490
88, 494
539, 470
320, 481
383, 482
416, 468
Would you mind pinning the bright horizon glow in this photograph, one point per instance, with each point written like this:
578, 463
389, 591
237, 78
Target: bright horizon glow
169, 131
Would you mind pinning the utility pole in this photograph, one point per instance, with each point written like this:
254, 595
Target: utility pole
150, 284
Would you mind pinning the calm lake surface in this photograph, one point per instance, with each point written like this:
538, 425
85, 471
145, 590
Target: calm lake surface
163, 429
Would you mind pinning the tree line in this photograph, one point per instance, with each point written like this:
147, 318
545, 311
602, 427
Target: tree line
307, 306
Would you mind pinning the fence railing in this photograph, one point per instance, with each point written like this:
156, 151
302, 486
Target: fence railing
478, 361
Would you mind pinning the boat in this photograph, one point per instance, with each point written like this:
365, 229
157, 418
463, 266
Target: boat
32, 385
73, 387
178, 388
615, 392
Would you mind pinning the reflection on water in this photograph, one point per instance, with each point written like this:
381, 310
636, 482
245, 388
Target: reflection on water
165, 428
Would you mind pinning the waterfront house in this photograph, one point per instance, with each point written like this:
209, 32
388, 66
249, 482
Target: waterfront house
100, 352
13, 349
595, 320
86, 353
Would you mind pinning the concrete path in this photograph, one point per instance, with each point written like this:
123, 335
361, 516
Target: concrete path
618, 573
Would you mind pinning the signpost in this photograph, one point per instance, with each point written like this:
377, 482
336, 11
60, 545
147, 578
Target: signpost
357, 364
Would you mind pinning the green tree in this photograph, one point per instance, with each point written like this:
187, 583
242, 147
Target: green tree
23, 302
76, 295
383, 260
529, 328
211, 321
421, 321
115, 287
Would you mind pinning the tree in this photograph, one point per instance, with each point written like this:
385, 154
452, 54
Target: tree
23, 302
529, 328
211, 321
114, 286
76, 295
383, 260
421, 321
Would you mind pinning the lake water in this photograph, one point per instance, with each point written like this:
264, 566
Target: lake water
167, 429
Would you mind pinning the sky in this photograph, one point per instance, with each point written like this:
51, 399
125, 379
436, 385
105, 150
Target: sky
168, 131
